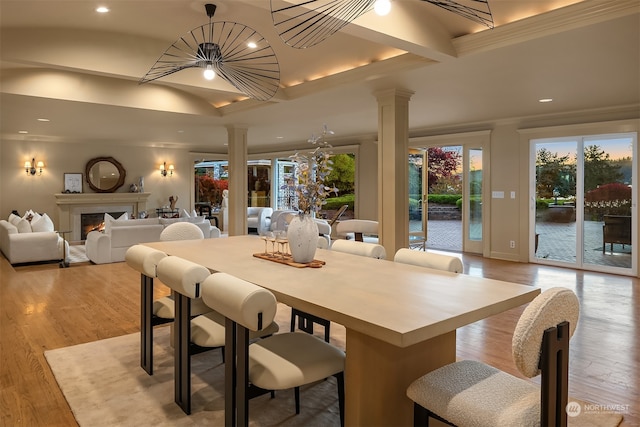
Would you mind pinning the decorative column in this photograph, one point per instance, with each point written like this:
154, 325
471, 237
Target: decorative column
393, 169
237, 138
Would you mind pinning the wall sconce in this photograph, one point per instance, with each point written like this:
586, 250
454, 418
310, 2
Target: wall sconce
164, 170
31, 167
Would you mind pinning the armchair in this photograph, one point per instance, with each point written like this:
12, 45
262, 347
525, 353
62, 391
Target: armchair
259, 218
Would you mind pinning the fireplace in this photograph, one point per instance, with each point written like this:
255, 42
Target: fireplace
72, 208
94, 222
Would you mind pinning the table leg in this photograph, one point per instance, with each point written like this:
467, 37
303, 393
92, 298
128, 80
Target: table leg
377, 375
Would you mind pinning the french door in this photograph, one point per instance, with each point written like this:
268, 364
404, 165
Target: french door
446, 173
583, 197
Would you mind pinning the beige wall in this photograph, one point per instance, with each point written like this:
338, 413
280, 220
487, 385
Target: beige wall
21, 191
509, 171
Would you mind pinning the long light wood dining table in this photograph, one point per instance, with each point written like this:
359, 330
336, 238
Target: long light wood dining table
400, 319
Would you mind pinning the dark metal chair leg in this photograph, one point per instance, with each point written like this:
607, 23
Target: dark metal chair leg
146, 323
340, 379
182, 359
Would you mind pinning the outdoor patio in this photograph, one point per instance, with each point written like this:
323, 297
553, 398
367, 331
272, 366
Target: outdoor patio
556, 241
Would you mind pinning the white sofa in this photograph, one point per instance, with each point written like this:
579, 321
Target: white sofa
259, 218
111, 244
35, 246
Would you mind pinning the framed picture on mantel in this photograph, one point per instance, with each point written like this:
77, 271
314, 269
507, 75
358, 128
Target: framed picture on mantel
73, 183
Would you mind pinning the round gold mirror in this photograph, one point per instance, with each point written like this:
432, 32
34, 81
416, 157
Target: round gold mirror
104, 174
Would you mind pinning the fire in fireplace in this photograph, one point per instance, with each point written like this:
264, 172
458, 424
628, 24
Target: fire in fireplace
93, 222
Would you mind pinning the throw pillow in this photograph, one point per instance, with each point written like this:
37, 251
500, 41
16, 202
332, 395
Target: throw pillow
185, 214
14, 219
167, 221
43, 223
108, 219
194, 213
23, 226
34, 217
197, 219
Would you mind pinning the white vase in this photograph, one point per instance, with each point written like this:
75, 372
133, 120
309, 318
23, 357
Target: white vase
302, 235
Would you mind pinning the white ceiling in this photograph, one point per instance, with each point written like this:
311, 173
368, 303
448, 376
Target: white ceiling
62, 61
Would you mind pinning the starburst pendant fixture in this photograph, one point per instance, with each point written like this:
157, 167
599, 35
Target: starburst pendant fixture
305, 23
235, 52
475, 10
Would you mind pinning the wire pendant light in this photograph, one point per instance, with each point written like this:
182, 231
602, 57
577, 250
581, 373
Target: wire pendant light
235, 52
305, 23
475, 10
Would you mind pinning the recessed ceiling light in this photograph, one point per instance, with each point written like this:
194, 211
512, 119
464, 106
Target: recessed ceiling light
180, 131
22, 131
279, 137
252, 45
44, 120
102, 9
545, 100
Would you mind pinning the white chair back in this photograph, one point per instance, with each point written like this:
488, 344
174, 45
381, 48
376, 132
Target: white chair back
144, 259
371, 250
243, 302
184, 277
181, 231
429, 260
358, 227
550, 308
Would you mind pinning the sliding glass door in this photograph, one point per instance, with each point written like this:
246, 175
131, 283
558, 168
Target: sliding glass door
584, 197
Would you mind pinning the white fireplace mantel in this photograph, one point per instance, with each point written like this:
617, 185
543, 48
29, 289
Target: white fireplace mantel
71, 205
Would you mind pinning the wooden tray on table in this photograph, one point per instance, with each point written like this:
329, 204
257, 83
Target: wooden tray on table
287, 260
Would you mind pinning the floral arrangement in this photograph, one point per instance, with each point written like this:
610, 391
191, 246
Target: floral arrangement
313, 168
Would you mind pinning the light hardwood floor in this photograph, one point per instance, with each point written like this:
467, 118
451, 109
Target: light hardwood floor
43, 307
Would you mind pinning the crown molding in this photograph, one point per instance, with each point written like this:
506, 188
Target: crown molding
577, 15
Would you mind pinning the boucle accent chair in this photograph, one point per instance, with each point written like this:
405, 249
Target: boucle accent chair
145, 260
470, 393
282, 361
181, 231
429, 260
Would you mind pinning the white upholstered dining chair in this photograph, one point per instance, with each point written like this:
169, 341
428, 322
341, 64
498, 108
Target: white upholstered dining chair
163, 308
185, 279
355, 247
194, 334
181, 231
145, 260
282, 361
471, 393
358, 227
429, 260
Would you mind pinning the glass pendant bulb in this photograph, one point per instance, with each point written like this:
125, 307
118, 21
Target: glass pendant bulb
382, 7
209, 74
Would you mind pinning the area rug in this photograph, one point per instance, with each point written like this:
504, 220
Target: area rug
105, 386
